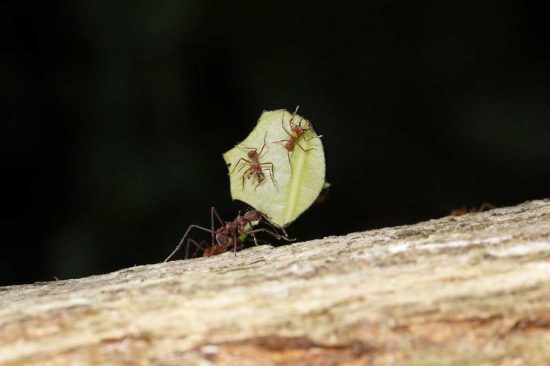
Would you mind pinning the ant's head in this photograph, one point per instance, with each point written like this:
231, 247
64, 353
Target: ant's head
253, 215
251, 153
299, 128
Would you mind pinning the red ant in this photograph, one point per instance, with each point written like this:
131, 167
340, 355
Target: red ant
296, 131
230, 235
255, 168
463, 210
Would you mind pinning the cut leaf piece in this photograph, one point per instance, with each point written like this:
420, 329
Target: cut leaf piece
298, 175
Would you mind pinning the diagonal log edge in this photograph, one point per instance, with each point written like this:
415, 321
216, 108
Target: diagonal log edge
471, 289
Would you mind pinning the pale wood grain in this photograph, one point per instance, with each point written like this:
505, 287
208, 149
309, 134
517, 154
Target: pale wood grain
473, 289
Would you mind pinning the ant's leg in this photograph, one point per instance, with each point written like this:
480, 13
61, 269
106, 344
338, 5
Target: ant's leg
282, 229
212, 211
183, 239
245, 148
313, 137
294, 114
254, 237
265, 219
195, 253
274, 226
238, 162
301, 147
289, 163
215, 213
242, 167
261, 178
235, 242
262, 149
283, 124
197, 246
287, 149
247, 172
273, 234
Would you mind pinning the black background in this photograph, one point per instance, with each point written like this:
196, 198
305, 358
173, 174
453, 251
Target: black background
115, 115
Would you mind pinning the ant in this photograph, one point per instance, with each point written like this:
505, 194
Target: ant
463, 210
255, 168
296, 131
230, 234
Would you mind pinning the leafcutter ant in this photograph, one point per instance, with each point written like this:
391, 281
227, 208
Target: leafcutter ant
230, 235
463, 210
295, 133
255, 168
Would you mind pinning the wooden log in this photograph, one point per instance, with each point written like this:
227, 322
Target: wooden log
472, 289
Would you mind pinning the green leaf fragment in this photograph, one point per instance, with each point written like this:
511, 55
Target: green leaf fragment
296, 183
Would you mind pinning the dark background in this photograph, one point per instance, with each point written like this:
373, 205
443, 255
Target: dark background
115, 115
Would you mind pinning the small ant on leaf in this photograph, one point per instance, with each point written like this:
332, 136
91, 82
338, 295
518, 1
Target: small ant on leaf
255, 168
295, 133
230, 235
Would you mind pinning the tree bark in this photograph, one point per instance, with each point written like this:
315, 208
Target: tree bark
472, 289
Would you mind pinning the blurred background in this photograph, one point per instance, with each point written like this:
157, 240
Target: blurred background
115, 116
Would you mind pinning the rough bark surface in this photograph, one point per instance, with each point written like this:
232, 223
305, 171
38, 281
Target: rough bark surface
473, 289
